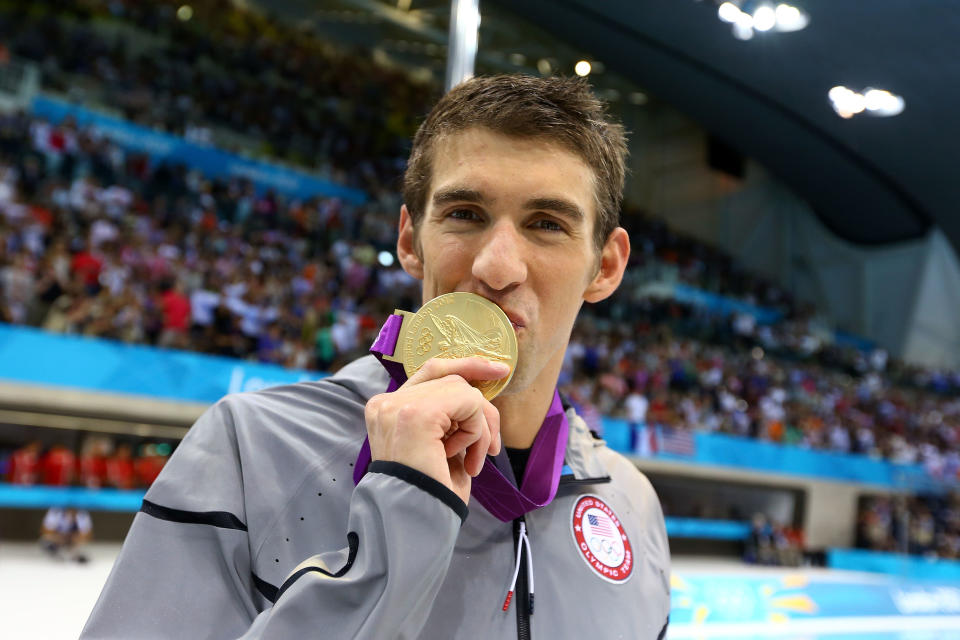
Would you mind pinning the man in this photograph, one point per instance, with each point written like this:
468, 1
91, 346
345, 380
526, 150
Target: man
255, 528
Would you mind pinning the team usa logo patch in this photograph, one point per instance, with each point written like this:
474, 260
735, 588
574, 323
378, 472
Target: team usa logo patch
601, 540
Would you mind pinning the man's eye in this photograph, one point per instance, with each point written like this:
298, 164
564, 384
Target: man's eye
462, 214
547, 225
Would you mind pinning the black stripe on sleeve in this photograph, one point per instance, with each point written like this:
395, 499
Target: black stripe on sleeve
421, 481
663, 632
353, 540
266, 589
222, 519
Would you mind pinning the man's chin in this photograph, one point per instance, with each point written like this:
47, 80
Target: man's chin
518, 383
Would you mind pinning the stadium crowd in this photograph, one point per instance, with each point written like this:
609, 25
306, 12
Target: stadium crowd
274, 89
102, 242
925, 525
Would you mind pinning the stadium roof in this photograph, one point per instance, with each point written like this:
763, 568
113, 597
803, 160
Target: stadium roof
873, 180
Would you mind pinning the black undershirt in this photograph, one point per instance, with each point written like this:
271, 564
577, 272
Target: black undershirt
518, 460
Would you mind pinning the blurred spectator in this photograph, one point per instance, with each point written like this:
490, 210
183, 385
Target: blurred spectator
771, 543
59, 466
25, 464
150, 462
93, 462
65, 533
120, 468
175, 308
636, 412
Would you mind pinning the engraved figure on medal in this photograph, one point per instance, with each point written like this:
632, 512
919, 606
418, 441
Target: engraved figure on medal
462, 341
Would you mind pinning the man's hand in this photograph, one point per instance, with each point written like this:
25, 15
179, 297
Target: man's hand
437, 423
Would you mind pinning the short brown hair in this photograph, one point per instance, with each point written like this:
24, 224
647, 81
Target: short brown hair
561, 110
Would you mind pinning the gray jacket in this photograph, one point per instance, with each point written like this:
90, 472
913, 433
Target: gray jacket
255, 530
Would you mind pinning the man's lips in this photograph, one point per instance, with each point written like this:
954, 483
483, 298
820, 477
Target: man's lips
516, 320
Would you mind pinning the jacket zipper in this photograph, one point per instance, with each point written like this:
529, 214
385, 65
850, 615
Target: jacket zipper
522, 601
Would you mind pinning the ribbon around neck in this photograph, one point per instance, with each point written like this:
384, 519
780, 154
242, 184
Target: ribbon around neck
491, 488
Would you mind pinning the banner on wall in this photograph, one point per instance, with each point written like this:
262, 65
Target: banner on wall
33, 356
718, 449
211, 161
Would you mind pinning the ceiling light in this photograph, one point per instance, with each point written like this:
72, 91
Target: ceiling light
728, 12
882, 103
742, 32
544, 67
582, 68
764, 18
877, 102
184, 13
790, 18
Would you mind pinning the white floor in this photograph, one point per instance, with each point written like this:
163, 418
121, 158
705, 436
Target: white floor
47, 599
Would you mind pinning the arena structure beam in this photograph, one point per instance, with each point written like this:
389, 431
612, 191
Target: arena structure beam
462, 49
69, 409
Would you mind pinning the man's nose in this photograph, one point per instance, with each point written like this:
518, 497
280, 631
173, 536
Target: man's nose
500, 262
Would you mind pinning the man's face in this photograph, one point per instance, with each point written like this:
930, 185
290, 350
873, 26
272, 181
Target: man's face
511, 219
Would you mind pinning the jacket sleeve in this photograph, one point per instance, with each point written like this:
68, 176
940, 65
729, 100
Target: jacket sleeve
403, 526
185, 570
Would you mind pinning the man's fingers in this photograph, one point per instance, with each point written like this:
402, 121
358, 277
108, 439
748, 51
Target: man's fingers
469, 429
492, 414
474, 368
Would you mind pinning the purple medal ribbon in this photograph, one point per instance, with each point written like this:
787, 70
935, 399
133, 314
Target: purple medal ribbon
491, 488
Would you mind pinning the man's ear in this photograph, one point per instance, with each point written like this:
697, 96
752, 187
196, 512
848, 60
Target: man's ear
407, 250
613, 262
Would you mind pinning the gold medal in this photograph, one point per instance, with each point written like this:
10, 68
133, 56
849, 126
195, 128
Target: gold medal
457, 325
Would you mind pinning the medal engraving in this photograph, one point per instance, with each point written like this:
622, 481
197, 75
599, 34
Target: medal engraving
457, 325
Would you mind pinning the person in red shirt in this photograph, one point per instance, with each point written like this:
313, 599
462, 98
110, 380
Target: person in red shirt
87, 265
120, 472
25, 464
175, 307
149, 465
58, 466
93, 466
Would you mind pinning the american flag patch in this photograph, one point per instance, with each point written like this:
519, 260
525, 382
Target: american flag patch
600, 539
600, 526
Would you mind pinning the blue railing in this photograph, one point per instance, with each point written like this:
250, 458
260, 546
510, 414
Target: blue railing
707, 529
895, 564
14, 496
